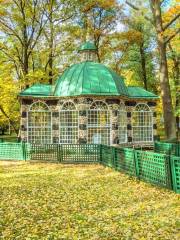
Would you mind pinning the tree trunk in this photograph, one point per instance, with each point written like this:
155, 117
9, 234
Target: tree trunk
10, 121
176, 61
3, 131
25, 45
26, 64
51, 43
50, 69
143, 65
169, 119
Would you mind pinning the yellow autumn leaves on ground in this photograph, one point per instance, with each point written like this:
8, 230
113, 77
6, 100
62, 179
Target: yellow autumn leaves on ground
53, 201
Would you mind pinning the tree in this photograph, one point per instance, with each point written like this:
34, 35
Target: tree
9, 107
57, 14
162, 42
21, 24
139, 54
99, 20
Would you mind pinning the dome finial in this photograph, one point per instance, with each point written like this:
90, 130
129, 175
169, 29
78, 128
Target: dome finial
88, 49
88, 36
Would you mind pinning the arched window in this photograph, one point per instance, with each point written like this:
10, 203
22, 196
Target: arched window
39, 124
99, 123
142, 124
122, 129
68, 106
68, 123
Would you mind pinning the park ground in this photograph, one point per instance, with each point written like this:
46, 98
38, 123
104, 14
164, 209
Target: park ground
54, 201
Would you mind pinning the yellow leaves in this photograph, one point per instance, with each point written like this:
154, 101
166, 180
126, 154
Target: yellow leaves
99, 3
171, 13
130, 36
52, 201
129, 76
9, 89
38, 76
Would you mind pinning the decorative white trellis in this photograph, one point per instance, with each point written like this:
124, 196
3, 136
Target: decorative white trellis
98, 128
68, 123
122, 120
39, 123
142, 124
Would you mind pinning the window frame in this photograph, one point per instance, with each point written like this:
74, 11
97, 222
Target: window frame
108, 115
143, 127
62, 110
122, 109
30, 110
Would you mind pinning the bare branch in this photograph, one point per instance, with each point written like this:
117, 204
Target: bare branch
33, 22
162, 2
11, 30
171, 22
138, 9
11, 122
60, 20
172, 36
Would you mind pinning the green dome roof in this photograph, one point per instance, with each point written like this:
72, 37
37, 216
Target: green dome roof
90, 78
87, 46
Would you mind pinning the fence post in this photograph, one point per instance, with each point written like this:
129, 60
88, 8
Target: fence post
169, 171
59, 159
114, 158
100, 153
177, 149
24, 150
136, 163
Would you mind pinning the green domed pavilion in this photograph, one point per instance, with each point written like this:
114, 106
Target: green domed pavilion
89, 103
90, 78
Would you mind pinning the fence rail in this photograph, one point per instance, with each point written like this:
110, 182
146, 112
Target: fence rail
13, 151
175, 171
65, 153
167, 148
161, 169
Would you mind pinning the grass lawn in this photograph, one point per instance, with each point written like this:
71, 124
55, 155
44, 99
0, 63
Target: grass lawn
53, 201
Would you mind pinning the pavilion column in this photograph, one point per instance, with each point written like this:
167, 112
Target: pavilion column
25, 105
82, 105
55, 126
155, 136
114, 129
83, 121
24, 123
129, 125
129, 108
152, 106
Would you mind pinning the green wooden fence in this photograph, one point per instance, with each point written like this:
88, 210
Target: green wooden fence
167, 148
79, 153
14, 151
175, 171
148, 166
161, 169
154, 168
66, 153
121, 159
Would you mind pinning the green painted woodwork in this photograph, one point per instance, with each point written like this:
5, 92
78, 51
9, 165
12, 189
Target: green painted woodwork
40, 90
43, 90
175, 169
154, 168
14, 151
122, 159
138, 92
87, 46
167, 148
157, 168
87, 78
90, 78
